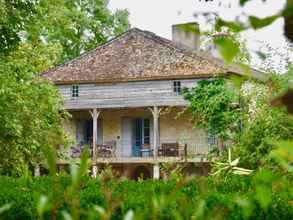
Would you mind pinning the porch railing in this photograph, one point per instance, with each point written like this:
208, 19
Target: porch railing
167, 148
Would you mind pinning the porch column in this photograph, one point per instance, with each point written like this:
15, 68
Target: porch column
95, 114
156, 114
156, 171
37, 171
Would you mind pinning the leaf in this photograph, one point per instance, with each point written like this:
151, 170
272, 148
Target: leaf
237, 80
234, 26
41, 207
264, 176
129, 215
77, 172
227, 48
283, 154
263, 195
100, 210
241, 172
66, 215
74, 172
246, 206
258, 23
235, 162
243, 2
261, 55
4, 208
200, 210
288, 11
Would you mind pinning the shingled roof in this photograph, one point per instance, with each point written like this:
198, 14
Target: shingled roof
133, 56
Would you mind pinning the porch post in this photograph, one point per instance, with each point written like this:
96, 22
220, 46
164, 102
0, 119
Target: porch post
37, 171
95, 114
156, 171
156, 114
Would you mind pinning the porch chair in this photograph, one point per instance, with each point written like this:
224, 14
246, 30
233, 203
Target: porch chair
169, 149
112, 147
107, 150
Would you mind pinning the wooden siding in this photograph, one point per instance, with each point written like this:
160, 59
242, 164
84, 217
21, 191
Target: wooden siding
127, 94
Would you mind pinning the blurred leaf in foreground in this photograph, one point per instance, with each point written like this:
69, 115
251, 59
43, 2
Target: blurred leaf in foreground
258, 23
283, 154
4, 208
227, 48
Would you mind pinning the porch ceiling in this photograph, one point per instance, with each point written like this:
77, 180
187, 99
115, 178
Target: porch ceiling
74, 106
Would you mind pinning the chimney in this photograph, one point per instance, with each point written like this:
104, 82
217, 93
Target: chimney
186, 34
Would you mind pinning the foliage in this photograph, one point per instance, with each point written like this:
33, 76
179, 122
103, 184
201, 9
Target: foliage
30, 108
77, 26
264, 125
229, 43
15, 15
35, 35
226, 168
212, 104
257, 138
245, 21
254, 127
200, 198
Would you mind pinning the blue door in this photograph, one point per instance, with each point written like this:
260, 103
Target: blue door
141, 135
137, 137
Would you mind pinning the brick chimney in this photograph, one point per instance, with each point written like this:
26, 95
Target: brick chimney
186, 34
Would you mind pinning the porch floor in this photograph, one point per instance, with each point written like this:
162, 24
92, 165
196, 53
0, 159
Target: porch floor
136, 160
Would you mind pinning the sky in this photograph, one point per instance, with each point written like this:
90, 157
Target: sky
158, 16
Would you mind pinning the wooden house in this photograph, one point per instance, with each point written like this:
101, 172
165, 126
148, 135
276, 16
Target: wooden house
125, 102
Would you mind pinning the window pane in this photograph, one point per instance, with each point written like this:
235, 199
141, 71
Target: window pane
146, 123
146, 140
75, 91
146, 131
177, 87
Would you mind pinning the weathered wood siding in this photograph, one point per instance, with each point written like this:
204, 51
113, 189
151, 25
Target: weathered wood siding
125, 94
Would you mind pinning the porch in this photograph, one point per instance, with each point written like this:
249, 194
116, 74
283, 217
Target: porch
137, 135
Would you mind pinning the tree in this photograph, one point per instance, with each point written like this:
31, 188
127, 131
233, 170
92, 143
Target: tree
77, 26
212, 104
36, 35
31, 109
15, 15
251, 127
264, 125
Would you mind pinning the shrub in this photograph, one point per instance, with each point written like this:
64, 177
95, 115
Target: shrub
201, 198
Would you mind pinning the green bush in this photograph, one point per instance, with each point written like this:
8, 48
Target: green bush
201, 198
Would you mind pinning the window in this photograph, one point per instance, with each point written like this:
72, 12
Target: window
146, 131
212, 140
177, 87
75, 91
212, 143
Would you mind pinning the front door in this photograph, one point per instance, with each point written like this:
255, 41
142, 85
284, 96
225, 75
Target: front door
141, 135
137, 137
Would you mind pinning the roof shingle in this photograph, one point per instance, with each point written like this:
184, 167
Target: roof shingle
132, 56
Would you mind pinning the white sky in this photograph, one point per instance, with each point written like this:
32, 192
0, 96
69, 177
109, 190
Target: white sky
158, 16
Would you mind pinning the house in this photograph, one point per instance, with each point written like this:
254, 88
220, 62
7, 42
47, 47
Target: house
125, 102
